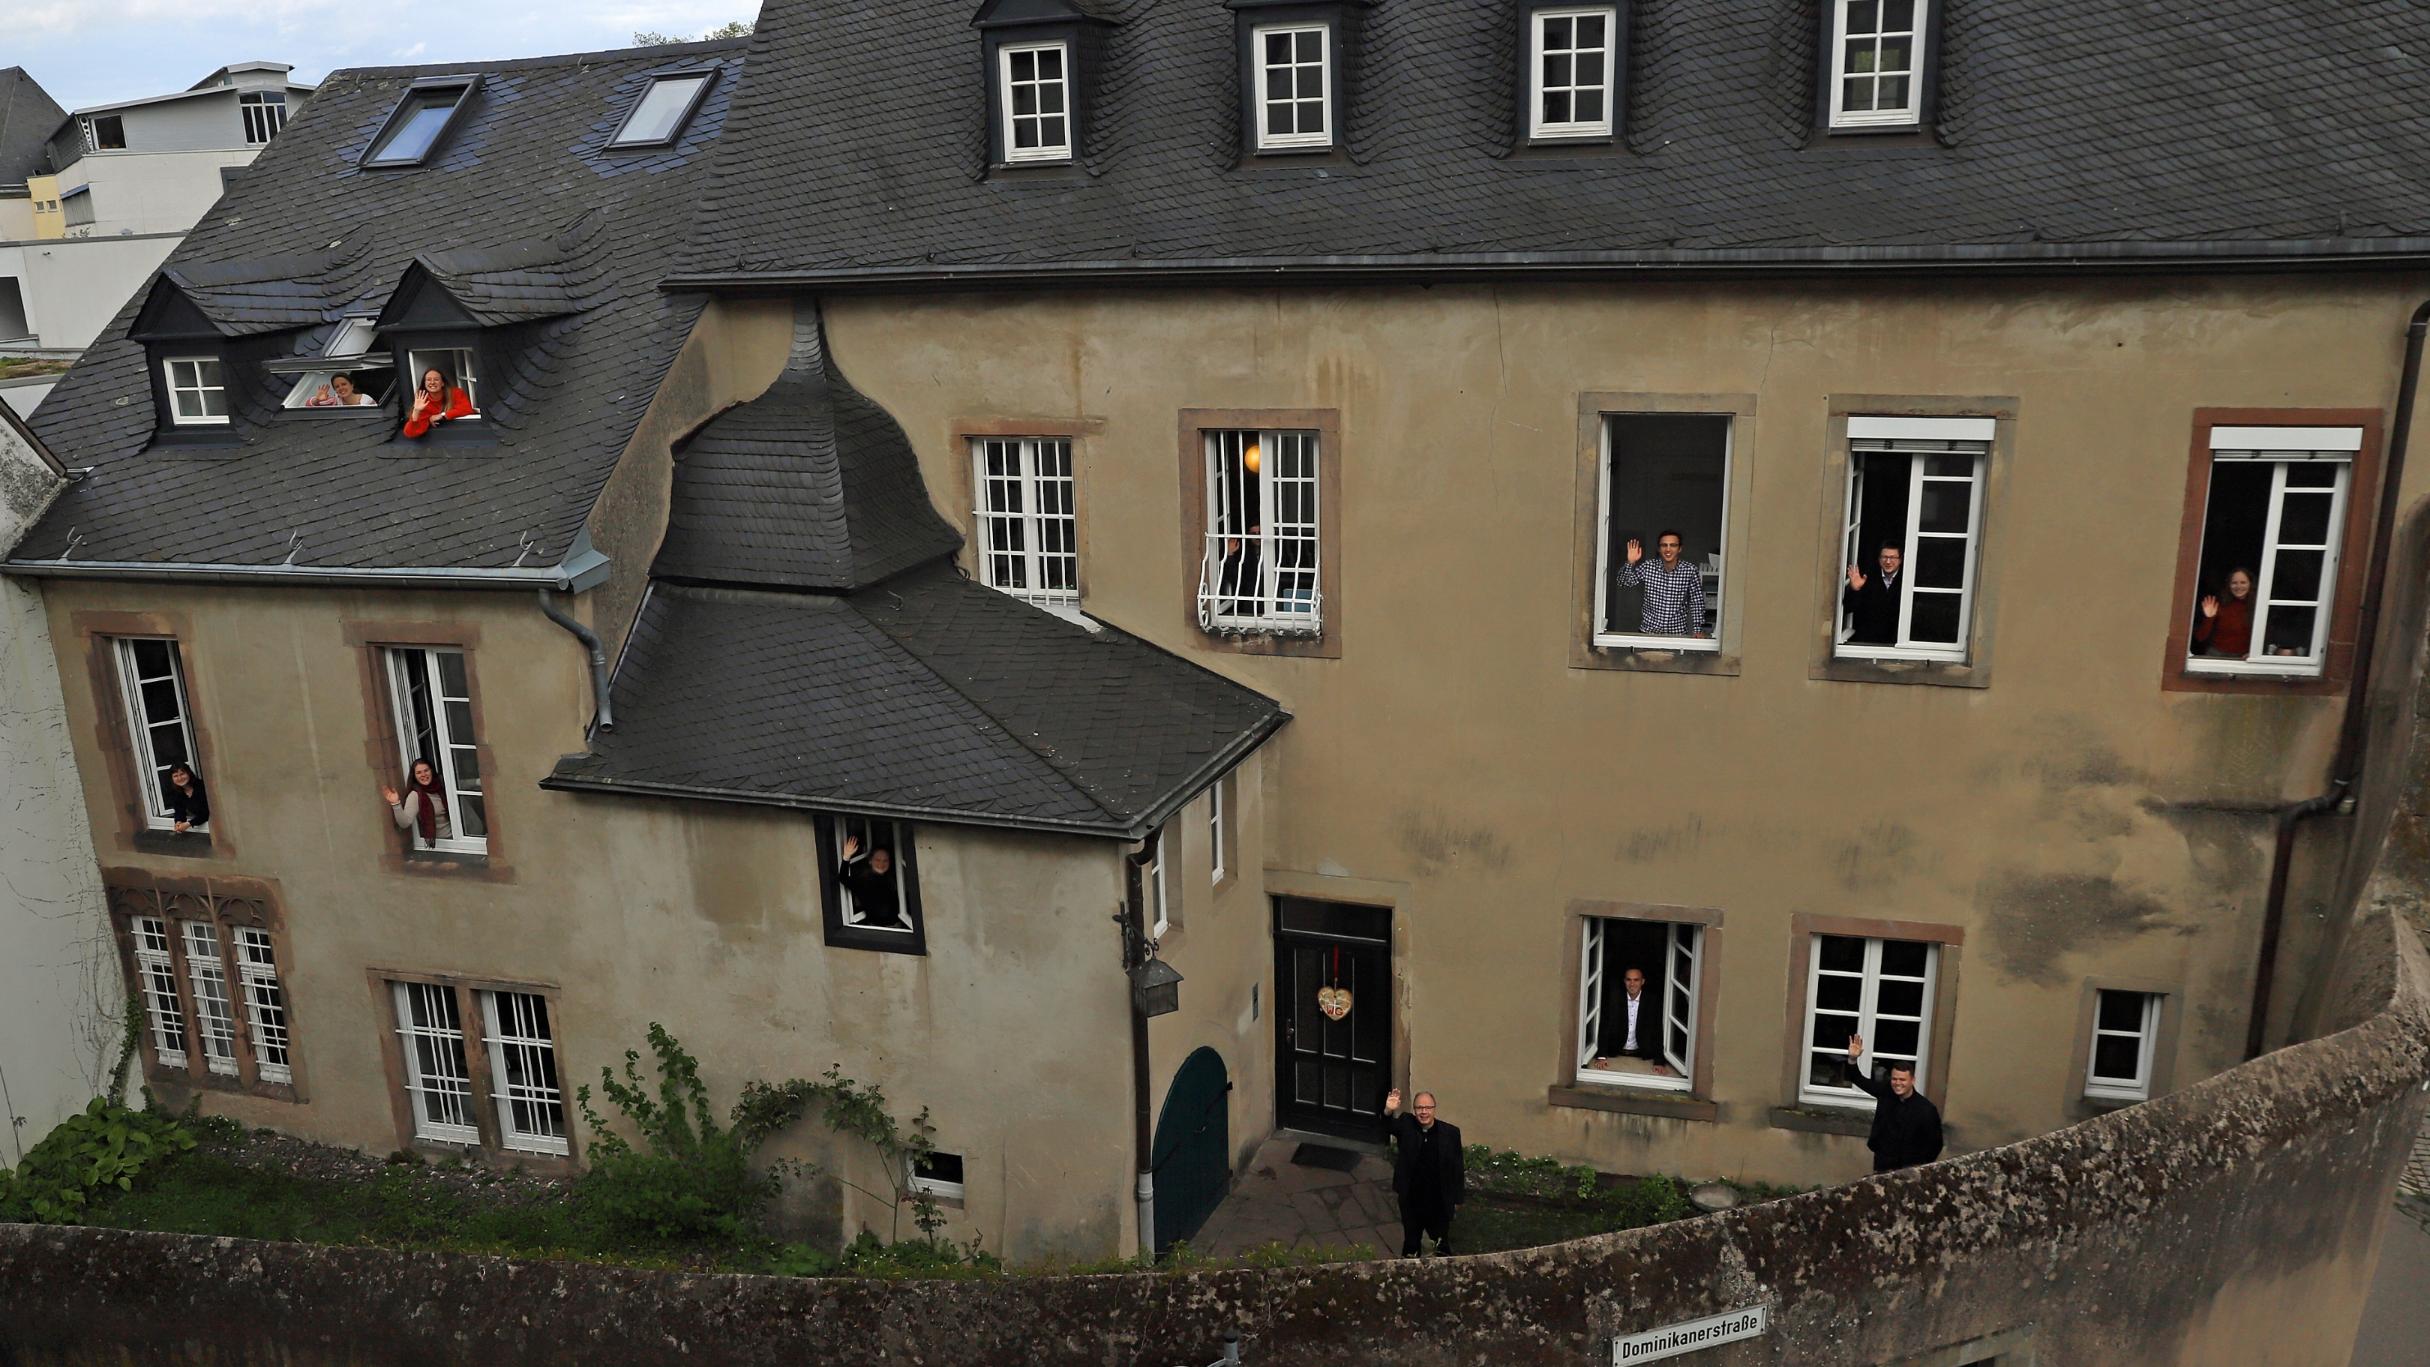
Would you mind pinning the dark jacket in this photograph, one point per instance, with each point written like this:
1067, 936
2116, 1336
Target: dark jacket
1873, 609
193, 808
873, 893
1906, 1131
1445, 1177
1649, 1027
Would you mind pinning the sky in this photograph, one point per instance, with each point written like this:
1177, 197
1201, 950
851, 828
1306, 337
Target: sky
88, 52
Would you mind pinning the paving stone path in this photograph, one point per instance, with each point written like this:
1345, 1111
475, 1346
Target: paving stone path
1279, 1202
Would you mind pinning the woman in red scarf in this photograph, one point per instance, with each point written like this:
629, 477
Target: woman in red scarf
423, 806
435, 400
2226, 624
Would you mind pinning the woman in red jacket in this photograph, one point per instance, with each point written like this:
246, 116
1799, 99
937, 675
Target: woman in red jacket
435, 401
2226, 624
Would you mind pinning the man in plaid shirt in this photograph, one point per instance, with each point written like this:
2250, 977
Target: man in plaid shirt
1674, 589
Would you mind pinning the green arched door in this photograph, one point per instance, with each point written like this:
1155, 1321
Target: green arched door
1192, 1157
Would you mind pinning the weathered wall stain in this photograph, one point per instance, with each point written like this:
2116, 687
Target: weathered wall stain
1437, 844
2038, 919
1662, 842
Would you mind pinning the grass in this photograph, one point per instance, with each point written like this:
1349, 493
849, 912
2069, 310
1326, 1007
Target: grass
17, 367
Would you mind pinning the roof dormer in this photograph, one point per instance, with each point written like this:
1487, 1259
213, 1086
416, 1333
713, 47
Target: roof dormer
1297, 61
1041, 62
1878, 63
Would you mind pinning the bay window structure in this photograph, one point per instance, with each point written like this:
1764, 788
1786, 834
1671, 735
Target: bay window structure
265, 112
1572, 71
1260, 570
658, 118
206, 968
1664, 477
1034, 84
197, 391
1881, 989
1028, 542
1291, 66
152, 686
523, 1071
1650, 1042
430, 697
438, 1072
1874, 62
2273, 520
1913, 519
2126, 1031
869, 884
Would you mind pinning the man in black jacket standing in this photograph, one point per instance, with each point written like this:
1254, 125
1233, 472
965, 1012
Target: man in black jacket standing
1426, 1171
1906, 1125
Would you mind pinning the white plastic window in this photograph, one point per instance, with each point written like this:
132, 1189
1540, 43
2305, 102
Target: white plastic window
1880, 989
198, 391
523, 1070
2126, 1026
2274, 517
1670, 956
431, 694
1294, 96
265, 1004
1158, 889
438, 1082
658, 117
366, 379
1571, 72
1260, 570
151, 678
1218, 867
265, 113
1029, 531
1877, 46
1661, 473
1036, 83
867, 837
1915, 484
459, 366
158, 973
939, 1175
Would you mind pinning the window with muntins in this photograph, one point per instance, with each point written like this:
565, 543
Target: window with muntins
2126, 1027
1653, 1045
1914, 516
1259, 570
1029, 530
1877, 47
871, 885
1294, 97
438, 1078
523, 1071
215, 1013
265, 1003
1880, 989
210, 993
1036, 81
151, 681
1218, 848
156, 971
198, 391
1571, 72
2272, 524
1664, 487
658, 118
431, 695
265, 112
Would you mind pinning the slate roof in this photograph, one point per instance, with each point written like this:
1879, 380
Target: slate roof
2066, 128
527, 164
521, 282
929, 697
810, 486
28, 117
246, 297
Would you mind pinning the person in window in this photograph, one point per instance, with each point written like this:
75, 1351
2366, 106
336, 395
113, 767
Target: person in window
321, 398
1906, 1125
1642, 1039
1674, 588
435, 401
870, 881
343, 394
2225, 626
1239, 582
1872, 600
423, 807
189, 801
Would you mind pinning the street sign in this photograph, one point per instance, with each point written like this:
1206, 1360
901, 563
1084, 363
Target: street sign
1671, 1340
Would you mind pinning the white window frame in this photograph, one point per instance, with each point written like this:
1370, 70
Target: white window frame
350, 341
214, 1008
1267, 139
2147, 1037
403, 663
1293, 609
516, 1028
694, 88
1605, 571
1042, 543
1683, 965
1868, 1016
265, 1005
1159, 888
265, 113
466, 369
1215, 843
156, 973
1908, 113
851, 914
199, 390
2284, 448
938, 1187
1006, 83
1919, 439
442, 1105
1538, 30
140, 725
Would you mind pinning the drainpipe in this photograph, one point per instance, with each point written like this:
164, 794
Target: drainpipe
1133, 920
2346, 768
605, 719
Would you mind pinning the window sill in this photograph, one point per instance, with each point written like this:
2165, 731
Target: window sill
908, 943
2309, 672
1810, 1119
1634, 654
188, 844
1630, 1101
1894, 670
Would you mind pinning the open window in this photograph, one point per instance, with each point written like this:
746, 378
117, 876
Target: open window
870, 885
423, 116
1572, 71
1648, 1039
1665, 512
441, 806
523, 1081
105, 133
160, 731
938, 1175
1260, 567
2273, 525
1914, 516
1028, 542
1156, 883
664, 110
363, 383
442, 388
1879, 988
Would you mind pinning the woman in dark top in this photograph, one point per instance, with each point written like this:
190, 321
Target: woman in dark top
189, 801
2225, 626
870, 880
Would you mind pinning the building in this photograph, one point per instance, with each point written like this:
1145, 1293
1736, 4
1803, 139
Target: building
1300, 379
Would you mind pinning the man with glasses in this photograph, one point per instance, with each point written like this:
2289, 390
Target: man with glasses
1426, 1172
1674, 589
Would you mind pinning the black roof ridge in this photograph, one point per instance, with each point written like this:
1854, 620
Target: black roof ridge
495, 66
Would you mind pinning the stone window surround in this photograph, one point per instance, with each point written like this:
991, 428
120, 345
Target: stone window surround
1804, 926
382, 748
228, 904
1567, 1090
99, 632
961, 432
476, 1061
1195, 423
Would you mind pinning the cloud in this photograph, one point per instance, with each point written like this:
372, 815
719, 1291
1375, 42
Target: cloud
408, 54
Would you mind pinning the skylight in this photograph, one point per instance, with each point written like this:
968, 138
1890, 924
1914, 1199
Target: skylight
663, 111
414, 127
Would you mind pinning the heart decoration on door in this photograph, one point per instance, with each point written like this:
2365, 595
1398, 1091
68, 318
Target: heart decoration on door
1333, 999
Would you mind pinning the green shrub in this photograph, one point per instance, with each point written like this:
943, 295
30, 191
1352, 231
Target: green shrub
688, 1178
106, 1146
869, 1256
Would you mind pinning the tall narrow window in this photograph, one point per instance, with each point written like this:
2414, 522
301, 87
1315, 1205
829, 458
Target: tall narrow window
1218, 846
1029, 531
1571, 72
431, 695
198, 396
1665, 495
1037, 101
265, 113
158, 974
523, 1070
215, 1012
1153, 885
2272, 524
871, 885
1914, 516
2126, 1026
1637, 1005
1260, 566
438, 1081
1880, 989
1876, 48
1294, 106
265, 1004
152, 681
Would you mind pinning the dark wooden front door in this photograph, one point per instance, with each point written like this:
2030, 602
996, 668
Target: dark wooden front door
1332, 1074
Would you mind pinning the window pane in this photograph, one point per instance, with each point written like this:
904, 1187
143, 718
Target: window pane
1898, 16
1835, 992
1856, 94
654, 119
1557, 67
1590, 31
2297, 577
1896, 1039
1864, 16
1309, 45
159, 700
1050, 99
1823, 1069
1860, 55
1945, 506
1891, 93
1843, 953
2117, 1056
2122, 1011
1935, 619
1278, 48
1940, 561
1905, 958
2304, 518
472, 817
2312, 474
452, 682
151, 657
1900, 997
415, 133
2289, 632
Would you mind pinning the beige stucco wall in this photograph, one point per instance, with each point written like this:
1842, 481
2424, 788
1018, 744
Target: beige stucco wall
1453, 752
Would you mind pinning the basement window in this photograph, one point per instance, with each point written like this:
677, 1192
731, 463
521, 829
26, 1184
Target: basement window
2126, 1027
664, 110
938, 1175
421, 118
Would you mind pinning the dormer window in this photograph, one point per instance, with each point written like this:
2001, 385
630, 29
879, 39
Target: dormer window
1875, 61
1292, 64
1041, 58
1573, 71
363, 383
1035, 79
422, 117
198, 391
445, 390
664, 110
